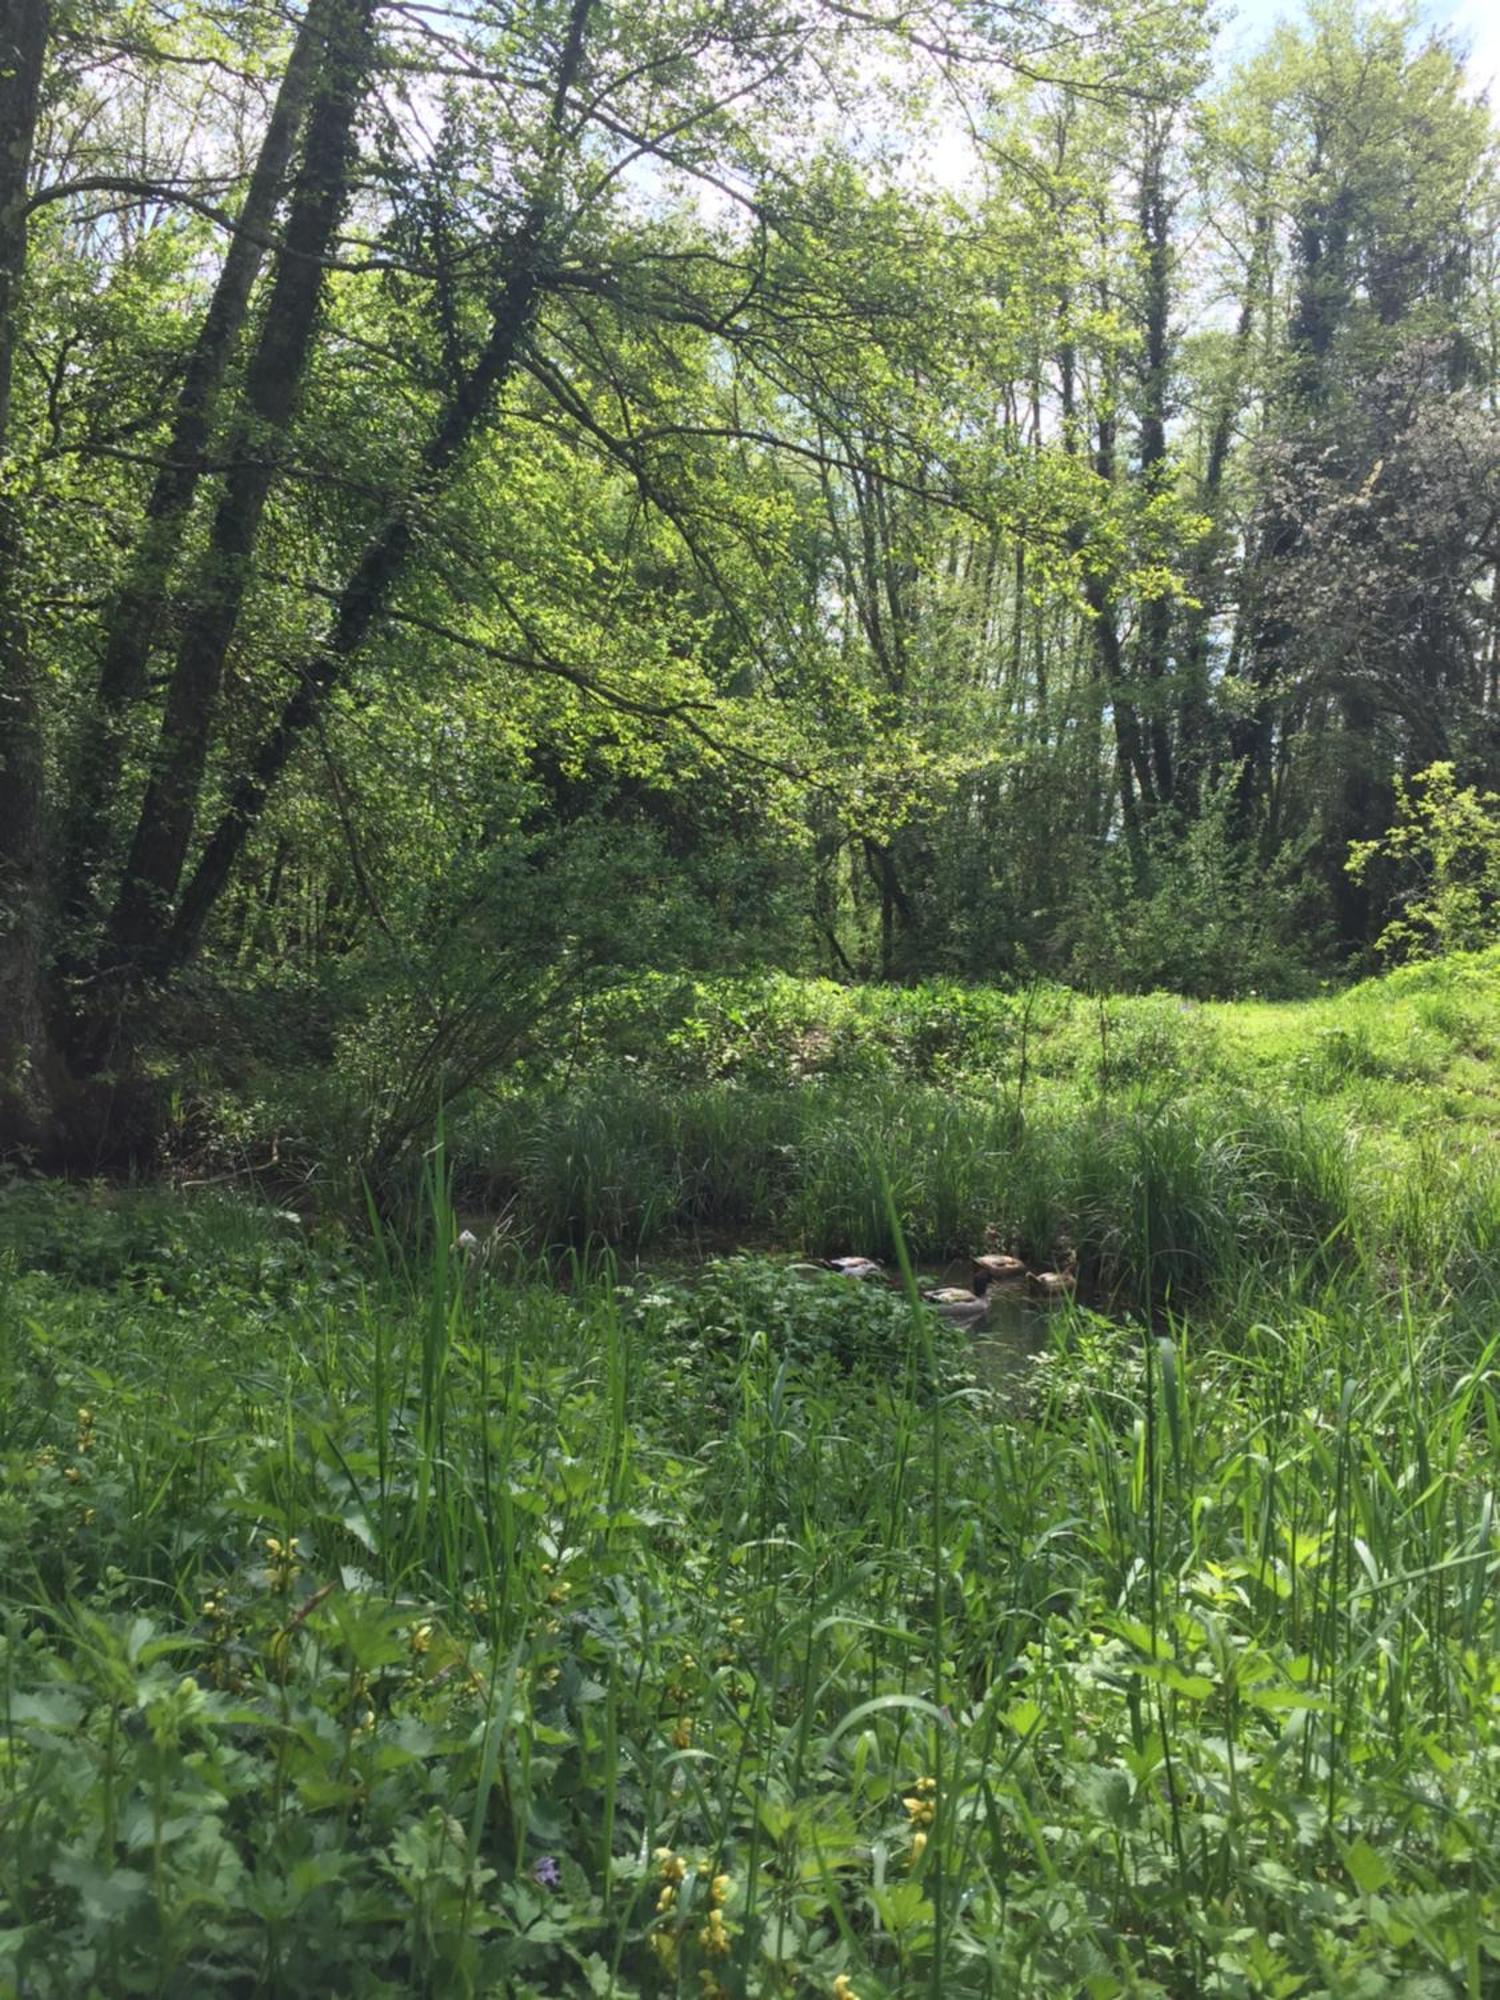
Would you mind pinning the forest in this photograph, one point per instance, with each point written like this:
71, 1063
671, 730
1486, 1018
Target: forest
749, 1000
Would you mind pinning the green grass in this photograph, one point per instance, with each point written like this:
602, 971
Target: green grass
1171, 1147
1182, 1655
375, 1621
1383, 1052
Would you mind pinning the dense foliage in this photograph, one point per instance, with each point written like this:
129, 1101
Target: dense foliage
497, 497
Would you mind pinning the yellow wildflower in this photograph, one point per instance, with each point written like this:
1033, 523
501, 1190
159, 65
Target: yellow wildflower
718, 1891
666, 1899
673, 1867
418, 1640
281, 1563
842, 1990
921, 1803
918, 1849
682, 1735
714, 1936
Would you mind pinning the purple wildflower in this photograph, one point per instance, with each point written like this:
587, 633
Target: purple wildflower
546, 1874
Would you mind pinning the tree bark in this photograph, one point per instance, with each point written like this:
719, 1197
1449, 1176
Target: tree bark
1319, 310
1154, 642
134, 616
168, 811
27, 1066
1193, 744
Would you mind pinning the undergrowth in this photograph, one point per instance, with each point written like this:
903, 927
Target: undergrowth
455, 1620
398, 1629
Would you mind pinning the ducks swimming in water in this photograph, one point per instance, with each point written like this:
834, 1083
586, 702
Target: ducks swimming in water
862, 1268
1053, 1284
964, 1308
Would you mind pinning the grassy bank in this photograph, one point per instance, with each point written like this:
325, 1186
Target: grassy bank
1173, 1149
392, 1632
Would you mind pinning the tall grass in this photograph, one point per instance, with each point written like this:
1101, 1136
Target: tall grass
1170, 1671
1153, 1202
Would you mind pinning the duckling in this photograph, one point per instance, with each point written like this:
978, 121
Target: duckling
958, 1305
1000, 1270
863, 1268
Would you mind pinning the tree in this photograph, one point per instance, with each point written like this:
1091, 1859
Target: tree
511, 269
1344, 641
1443, 853
26, 1066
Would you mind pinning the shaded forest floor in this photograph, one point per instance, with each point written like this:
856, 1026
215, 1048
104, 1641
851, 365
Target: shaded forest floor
377, 1622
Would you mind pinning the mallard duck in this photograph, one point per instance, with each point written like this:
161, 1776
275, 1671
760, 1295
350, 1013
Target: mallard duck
1052, 1284
998, 1270
960, 1306
853, 1267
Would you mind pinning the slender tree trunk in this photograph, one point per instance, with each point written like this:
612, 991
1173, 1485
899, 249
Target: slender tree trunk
1361, 810
1134, 771
134, 616
880, 860
164, 830
1154, 643
368, 591
27, 1067
1109, 665
1322, 302
1193, 748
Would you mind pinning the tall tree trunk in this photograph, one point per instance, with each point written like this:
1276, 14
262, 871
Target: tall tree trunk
1319, 310
276, 370
27, 1069
368, 591
1130, 770
1193, 738
1154, 641
134, 616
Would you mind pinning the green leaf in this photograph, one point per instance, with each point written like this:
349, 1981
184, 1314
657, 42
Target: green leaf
106, 1893
1369, 1871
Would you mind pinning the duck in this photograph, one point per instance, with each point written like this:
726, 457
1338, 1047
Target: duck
999, 1270
1053, 1284
862, 1268
962, 1307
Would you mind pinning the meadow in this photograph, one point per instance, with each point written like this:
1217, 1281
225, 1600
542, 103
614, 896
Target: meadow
619, 1612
